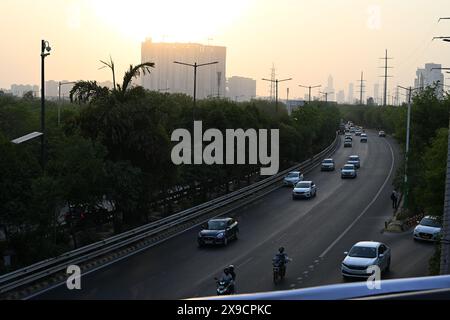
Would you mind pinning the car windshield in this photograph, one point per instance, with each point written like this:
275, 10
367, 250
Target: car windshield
430, 223
217, 225
292, 175
354, 158
349, 167
327, 161
302, 185
363, 252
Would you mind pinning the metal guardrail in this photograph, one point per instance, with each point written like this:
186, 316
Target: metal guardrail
39, 270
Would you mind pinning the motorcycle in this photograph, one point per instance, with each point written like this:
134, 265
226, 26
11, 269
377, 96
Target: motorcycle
224, 287
279, 269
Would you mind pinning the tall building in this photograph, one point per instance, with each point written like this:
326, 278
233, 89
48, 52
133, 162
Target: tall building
376, 93
350, 98
330, 88
170, 77
20, 89
241, 88
427, 77
340, 97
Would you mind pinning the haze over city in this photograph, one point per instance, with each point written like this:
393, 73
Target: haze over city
307, 41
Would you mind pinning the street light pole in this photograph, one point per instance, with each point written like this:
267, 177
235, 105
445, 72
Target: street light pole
276, 90
44, 47
59, 98
309, 88
195, 66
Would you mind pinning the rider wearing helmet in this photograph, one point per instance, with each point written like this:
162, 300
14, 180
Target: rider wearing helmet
231, 271
228, 278
282, 258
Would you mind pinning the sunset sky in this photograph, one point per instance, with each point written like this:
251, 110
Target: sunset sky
306, 40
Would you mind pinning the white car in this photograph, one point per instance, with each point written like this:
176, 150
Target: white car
293, 178
364, 255
304, 189
348, 171
429, 229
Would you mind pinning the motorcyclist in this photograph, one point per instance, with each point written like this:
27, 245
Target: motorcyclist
227, 277
231, 270
282, 258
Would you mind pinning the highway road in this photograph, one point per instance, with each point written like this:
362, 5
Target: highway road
314, 232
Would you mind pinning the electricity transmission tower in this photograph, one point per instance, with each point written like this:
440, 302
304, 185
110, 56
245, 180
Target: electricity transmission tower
386, 76
361, 88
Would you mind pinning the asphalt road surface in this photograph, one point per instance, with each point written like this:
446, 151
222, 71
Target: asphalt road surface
314, 232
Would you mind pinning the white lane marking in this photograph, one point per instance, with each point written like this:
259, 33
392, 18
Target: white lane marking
368, 206
245, 262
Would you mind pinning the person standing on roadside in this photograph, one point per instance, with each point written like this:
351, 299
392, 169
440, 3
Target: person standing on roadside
394, 198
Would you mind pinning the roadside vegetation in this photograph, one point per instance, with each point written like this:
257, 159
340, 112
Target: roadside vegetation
109, 166
427, 163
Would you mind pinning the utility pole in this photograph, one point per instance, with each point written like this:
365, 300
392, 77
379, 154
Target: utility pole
326, 95
408, 126
195, 66
45, 46
386, 76
276, 81
309, 88
59, 98
361, 88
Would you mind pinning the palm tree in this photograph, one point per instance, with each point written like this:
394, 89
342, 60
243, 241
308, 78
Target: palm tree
89, 91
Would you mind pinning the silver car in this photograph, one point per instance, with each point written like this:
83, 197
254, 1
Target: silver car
348, 171
304, 189
364, 255
293, 178
354, 159
327, 165
429, 229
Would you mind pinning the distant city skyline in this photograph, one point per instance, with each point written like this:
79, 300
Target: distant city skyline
340, 42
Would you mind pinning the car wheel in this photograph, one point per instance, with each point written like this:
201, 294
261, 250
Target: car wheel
236, 235
388, 267
225, 241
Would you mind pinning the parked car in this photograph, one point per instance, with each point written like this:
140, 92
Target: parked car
363, 138
348, 171
355, 160
292, 178
327, 165
381, 134
218, 231
363, 255
304, 189
428, 229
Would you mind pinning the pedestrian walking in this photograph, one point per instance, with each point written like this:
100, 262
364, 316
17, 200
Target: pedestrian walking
394, 198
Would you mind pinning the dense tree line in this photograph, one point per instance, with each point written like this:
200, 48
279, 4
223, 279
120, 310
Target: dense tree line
115, 145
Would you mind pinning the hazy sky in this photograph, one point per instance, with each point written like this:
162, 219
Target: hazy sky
306, 40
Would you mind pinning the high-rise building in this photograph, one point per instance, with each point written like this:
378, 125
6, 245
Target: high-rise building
376, 93
330, 88
241, 88
170, 77
350, 98
340, 97
20, 89
429, 76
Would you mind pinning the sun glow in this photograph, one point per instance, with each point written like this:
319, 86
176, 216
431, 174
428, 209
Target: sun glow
170, 20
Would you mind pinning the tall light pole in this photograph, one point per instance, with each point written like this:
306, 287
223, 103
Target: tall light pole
195, 66
326, 95
45, 51
408, 126
59, 98
276, 81
309, 88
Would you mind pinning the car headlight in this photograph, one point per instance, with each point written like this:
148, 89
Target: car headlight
221, 235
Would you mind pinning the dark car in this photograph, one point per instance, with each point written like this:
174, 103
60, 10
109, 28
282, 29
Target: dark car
218, 231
